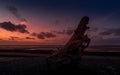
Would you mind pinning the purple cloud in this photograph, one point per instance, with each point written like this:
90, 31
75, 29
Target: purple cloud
114, 31
44, 35
13, 28
30, 38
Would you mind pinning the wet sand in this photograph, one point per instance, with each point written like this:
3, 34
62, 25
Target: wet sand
92, 65
33, 62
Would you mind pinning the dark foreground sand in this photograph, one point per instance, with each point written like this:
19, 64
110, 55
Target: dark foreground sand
90, 65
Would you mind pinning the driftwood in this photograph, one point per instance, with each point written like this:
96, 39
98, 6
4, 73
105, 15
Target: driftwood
74, 48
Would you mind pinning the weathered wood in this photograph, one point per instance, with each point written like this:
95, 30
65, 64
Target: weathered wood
74, 48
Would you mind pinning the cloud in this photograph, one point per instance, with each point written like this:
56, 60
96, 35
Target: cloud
30, 38
114, 31
34, 34
13, 38
66, 32
16, 13
13, 28
44, 35
109, 41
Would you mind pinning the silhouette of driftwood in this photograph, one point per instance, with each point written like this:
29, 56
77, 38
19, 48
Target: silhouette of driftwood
74, 48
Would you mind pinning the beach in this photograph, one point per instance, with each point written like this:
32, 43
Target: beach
28, 63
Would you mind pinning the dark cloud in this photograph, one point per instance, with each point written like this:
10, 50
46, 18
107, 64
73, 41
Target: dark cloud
41, 36
13, 28
16, 13
48, 34
13, 38
114, 31
44, 35
109, 41
30, 38
66, 32
34, 34
106, 33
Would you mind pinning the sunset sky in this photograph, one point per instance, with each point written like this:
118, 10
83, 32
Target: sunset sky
36, 22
